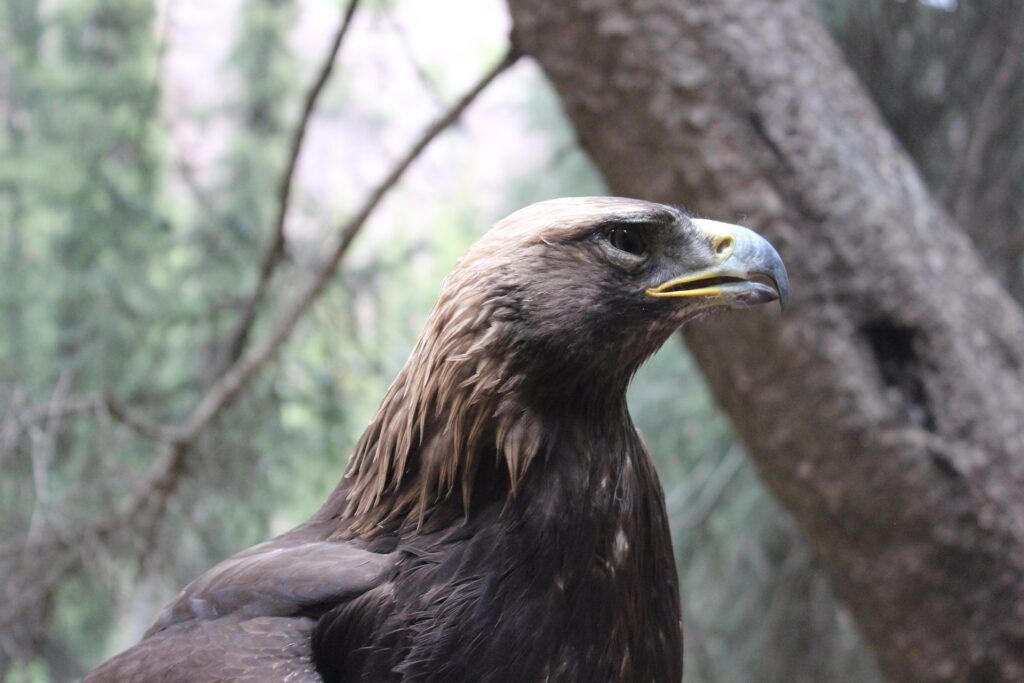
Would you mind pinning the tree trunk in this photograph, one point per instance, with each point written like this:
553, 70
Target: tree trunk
950, 85
885, 408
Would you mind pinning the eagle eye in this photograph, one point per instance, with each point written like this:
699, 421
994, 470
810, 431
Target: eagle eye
628, 241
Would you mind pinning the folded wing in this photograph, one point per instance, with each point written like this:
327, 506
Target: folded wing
250, 617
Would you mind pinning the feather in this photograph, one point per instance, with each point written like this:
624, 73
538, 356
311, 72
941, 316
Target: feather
475, 535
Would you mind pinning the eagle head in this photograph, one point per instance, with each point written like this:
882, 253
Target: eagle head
548, 315
596, 284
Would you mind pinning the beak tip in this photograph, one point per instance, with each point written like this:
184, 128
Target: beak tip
752, 258
782, 287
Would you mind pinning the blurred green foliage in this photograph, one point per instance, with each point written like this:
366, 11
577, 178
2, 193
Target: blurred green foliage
122, 273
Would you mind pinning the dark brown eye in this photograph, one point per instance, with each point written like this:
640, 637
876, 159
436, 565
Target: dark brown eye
627, 241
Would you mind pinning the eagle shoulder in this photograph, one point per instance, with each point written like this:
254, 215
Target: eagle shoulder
250, 618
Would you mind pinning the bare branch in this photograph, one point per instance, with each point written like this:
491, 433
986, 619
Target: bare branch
66, 407
428, 83
166, 472
89, 405
964, 178
275, 249
188, 174
136, 422
223, 392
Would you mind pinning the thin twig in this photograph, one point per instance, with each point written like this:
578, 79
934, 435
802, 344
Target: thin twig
42, 583
42, 450
240, 335
67, 407
136, 422
188, 174
166, 472
429, 86
688, 521
86, 404
224, 391
991, 113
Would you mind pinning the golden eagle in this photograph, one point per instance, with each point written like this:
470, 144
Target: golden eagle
500, 519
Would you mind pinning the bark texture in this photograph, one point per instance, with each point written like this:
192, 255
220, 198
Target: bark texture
950, 84
885, 408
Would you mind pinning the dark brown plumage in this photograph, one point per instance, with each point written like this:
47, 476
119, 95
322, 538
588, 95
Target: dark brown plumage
500, 519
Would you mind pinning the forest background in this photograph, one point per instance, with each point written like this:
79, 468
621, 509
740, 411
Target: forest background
146, 162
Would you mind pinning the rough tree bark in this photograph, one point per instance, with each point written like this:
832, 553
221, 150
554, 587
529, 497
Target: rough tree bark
885, 409
950, 85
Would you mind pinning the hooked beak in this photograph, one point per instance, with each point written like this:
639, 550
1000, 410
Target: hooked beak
749, 271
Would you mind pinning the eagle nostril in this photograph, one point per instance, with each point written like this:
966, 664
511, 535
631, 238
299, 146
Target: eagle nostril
723, 246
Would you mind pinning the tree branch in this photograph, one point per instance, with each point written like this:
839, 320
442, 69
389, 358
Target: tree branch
166, 472
964, 178
240, 335
224, 391
137, 423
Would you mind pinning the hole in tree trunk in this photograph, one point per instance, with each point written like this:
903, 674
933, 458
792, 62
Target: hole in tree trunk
899, 365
